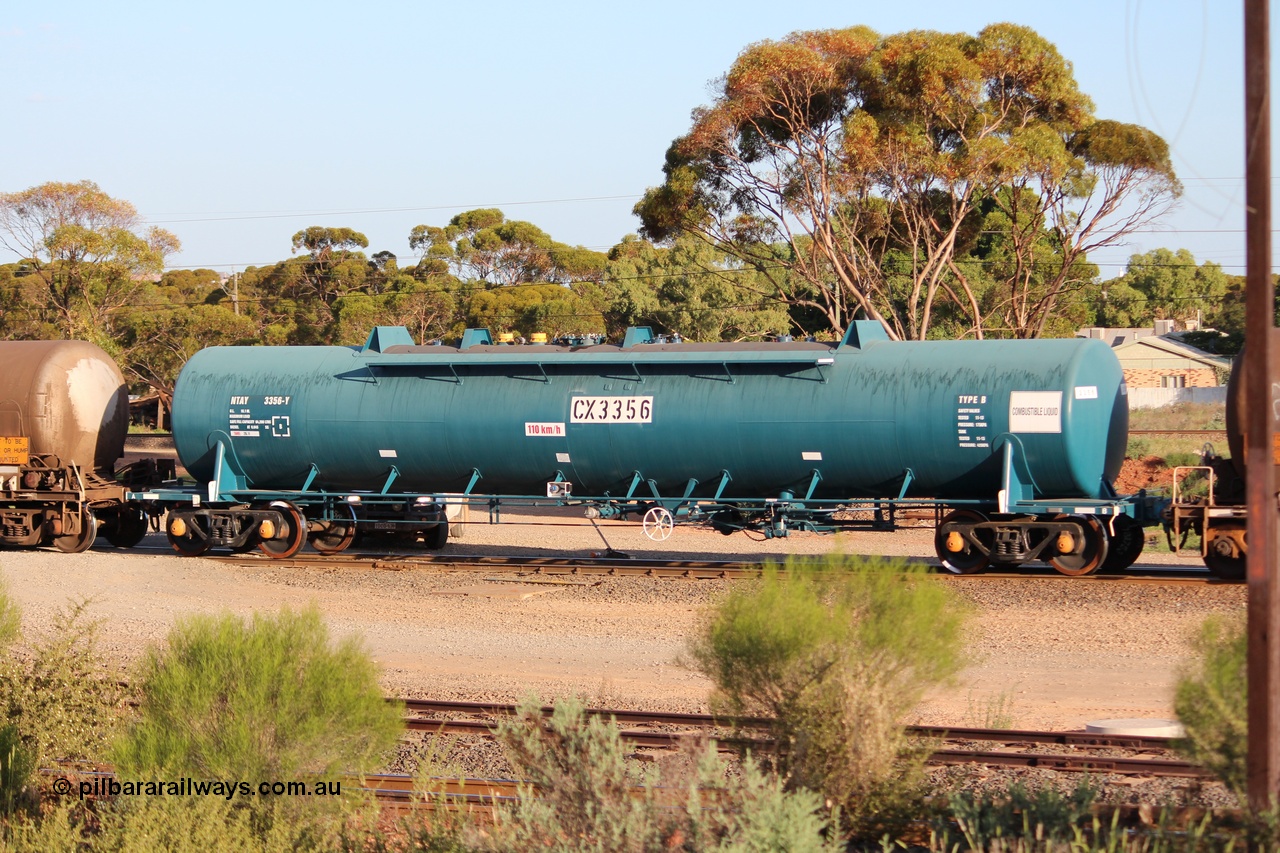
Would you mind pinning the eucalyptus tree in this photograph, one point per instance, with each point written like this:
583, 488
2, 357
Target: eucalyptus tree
868, 160
1165, 284
89, 252
692, 289
483, 245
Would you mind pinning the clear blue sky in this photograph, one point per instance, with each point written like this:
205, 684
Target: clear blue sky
236, 124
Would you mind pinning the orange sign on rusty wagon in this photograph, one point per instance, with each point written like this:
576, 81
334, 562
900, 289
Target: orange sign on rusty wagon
14, 450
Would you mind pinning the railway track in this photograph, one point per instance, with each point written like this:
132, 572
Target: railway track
1088, 752
1129, 755
554, 567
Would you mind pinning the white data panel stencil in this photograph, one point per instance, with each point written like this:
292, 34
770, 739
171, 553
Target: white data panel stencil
1035, 411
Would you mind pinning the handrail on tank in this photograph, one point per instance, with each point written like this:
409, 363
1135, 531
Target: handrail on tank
1177, 479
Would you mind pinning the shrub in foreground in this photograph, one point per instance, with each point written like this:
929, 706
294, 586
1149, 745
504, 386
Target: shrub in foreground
10, 616
838, 651
583, 796
59, 702
171, 824
264, 699
1018, 819
65, 701
1211, 701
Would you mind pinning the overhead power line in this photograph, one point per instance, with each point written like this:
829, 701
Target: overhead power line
362, 211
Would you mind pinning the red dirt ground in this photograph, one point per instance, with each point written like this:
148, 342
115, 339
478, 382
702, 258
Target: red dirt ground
1149, 472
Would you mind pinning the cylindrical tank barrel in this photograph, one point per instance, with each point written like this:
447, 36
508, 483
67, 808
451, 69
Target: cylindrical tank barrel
1238, 403
741, 420
67, 398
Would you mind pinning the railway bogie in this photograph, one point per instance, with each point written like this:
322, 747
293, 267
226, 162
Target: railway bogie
966, 541
279, 526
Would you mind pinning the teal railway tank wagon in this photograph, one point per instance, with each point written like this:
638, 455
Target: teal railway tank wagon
1021, 438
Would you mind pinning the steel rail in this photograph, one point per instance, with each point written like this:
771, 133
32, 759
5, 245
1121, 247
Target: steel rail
1076, 740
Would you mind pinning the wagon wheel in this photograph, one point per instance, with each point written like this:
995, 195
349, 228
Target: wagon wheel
186, 537
1091, 546
292, 532
1223, 565
74, 543
436, 537
335, 535
658, 524
1125, 547
966, 559
129, 528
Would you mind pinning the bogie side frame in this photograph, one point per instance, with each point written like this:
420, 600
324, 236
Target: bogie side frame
1220, 526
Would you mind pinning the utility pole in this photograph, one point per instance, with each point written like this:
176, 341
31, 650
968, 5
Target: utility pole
1260, 420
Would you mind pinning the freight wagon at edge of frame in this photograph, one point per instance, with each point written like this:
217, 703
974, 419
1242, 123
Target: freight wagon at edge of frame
64, 412
1013, 444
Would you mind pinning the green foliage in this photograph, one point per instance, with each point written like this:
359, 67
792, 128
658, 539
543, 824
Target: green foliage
1211, 701
1161, 285
838, 652
759, 815
484, 245
17, 763
87, 251
1018, 819
580, 796
1180, 416
1138, 448
583, 797
266, 699
691, 289
876, 162
1015, 264
158, 337
1174, 460
323, 242
63, 701
17, 759
10, 616
1228, 316
549, 308
993, 712
1218, 343
171, 824
414, 834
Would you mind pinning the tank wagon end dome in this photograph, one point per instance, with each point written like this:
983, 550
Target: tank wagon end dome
67, 397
